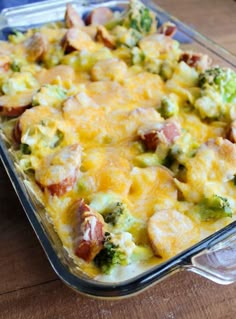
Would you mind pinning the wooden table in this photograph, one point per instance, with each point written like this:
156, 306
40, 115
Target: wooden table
30, 289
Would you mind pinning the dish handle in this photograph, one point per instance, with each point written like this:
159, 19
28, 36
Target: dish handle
218, 261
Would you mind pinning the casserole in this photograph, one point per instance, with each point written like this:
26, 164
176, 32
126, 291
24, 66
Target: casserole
166, 264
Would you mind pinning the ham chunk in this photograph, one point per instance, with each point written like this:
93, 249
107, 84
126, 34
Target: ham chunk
90, 231
169, 29
198, 60
163, 132
58, 172
15, 105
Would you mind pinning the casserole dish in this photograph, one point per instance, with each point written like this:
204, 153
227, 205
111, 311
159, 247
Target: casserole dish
209, 257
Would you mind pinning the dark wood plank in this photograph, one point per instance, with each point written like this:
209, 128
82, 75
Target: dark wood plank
183, 296
215, 18
22, 261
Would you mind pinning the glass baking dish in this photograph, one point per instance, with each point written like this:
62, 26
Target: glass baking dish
213, 257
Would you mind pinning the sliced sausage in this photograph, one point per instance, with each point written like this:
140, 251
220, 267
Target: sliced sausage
16, 134
58, 172
99, 16
75, 39
105, 37
4, 63
72, 19
15, 105
198, 60
231, 132
90, 232
169, 29
170, 232
163, 132
36, 47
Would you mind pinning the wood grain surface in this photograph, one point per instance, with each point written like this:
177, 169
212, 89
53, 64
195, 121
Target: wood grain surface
30, 289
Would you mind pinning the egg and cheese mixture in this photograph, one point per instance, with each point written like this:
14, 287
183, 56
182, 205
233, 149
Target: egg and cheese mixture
127, 140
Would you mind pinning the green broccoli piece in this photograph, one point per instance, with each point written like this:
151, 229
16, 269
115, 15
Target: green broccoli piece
184, 147
169, 107
116, 214
138, 17
137, 56
218, 93
110, 256
112, 214
166, 70
57, 139
221, 80
152, 64
50, 95
234, 180
16, 37
214, 208
120, 249
127, 37
25, 149
15, 67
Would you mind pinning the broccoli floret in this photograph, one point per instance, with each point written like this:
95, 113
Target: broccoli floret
234, 180
116, 214
41, 137
15, 66
138, 17
218, 93
16, 37
50, 95
25, 148
57, 139
221, 80
166, 70
137, 56
109, 205
152, 65
120, 249
19, 82
126, 37
184, 147
169, 106
110, 256
214, 208
112, 214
